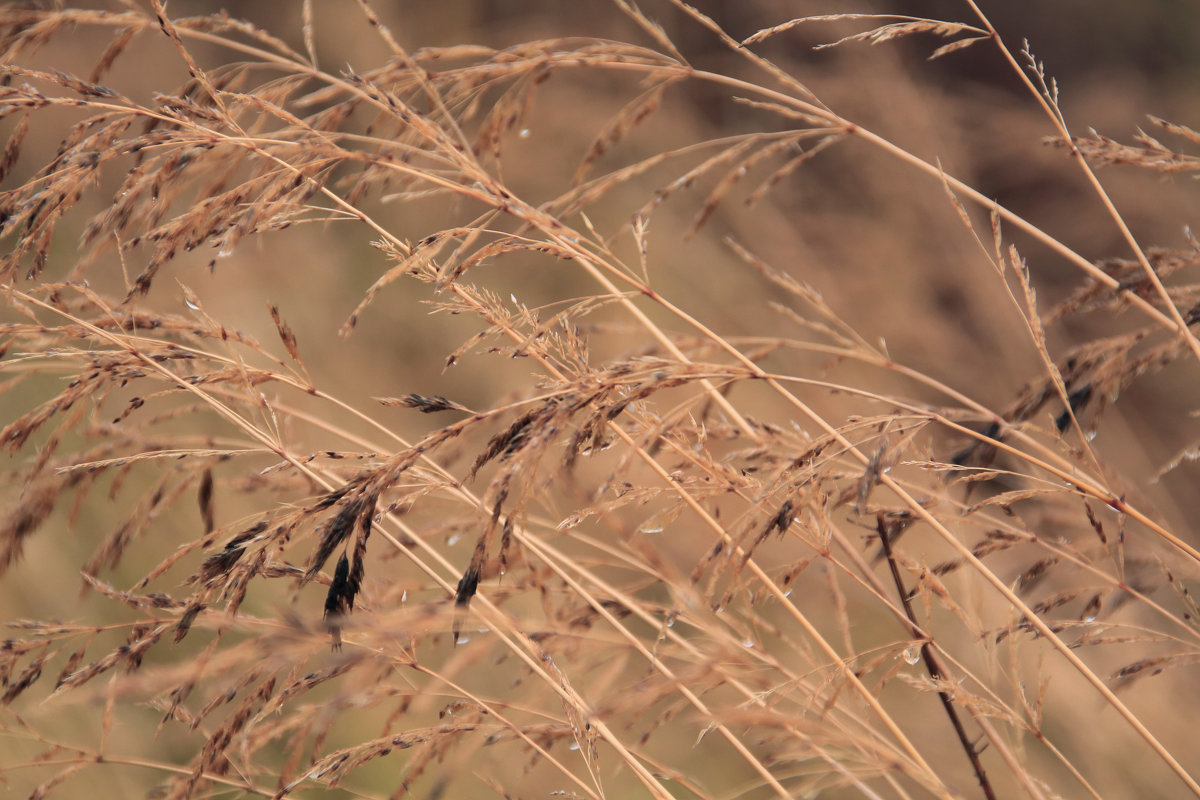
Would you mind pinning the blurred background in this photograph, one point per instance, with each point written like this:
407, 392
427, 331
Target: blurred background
880, 241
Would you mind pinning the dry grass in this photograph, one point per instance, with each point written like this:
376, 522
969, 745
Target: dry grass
649, 541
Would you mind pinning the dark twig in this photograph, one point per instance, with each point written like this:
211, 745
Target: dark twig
932, 665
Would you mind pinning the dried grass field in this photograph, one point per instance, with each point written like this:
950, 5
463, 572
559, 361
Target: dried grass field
598, 400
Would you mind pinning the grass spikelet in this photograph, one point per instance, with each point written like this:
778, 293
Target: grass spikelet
333, 533
426, 405
511, 439
625, 121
